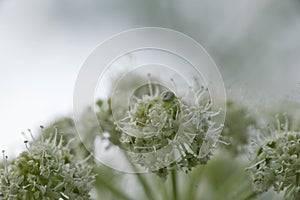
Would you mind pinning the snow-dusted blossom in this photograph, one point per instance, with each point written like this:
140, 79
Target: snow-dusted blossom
47, 170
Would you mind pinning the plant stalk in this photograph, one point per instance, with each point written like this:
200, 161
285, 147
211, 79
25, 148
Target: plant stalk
174, 184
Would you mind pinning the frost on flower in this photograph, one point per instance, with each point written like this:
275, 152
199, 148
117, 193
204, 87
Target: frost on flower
46, 171
162, 130
277, 163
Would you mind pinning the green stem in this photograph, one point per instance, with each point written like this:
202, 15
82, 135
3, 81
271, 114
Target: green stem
297, 183
174, 184
104, 181
116, 192
193, 181
297, 179
240, 182
146, 187
163, 188
251, 196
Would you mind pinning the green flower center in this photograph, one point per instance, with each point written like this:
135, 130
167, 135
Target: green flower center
156, 115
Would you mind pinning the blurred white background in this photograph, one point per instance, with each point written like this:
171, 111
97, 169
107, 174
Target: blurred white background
255, 43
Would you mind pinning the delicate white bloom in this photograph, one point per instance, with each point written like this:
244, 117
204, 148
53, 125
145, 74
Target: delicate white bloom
277, 163
161, 129
46, 171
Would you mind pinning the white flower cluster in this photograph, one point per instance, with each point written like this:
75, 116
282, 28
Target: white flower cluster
154, 116
46, 171
162, 130
277, 164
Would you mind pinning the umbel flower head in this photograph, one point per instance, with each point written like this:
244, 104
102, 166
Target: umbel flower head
277, 163
162, 130
46, 171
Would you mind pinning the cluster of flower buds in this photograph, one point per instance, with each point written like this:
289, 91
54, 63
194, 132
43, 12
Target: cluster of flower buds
277, 163
47, 170
161, 130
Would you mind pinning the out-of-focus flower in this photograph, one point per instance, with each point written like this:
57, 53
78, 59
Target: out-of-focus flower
237, 127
